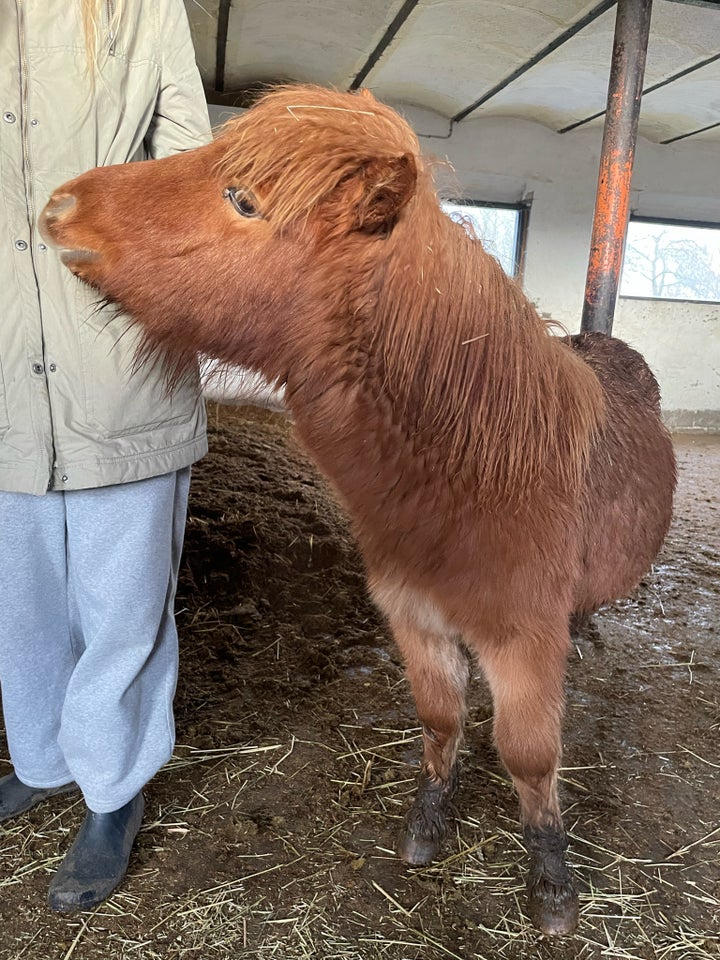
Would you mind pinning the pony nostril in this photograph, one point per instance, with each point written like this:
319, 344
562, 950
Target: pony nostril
59, 204
57, 207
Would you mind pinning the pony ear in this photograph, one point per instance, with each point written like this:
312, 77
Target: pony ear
387, 185
370, 197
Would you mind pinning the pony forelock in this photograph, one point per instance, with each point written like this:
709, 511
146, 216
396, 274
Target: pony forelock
297, 145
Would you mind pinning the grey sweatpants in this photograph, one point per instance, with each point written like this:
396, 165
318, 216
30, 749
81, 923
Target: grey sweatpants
88, 645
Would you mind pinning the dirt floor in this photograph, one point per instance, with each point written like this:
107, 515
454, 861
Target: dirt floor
271, 832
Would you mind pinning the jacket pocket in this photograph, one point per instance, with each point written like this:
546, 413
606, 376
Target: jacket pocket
121, 396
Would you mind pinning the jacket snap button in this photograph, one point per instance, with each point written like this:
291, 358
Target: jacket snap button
9, 117
52, 368
64, 478
37, 368
34, 122
21, 245
42, 246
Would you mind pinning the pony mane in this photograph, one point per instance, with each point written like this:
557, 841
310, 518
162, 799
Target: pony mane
473, 373
473, 367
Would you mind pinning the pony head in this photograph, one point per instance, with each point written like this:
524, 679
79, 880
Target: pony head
213, 248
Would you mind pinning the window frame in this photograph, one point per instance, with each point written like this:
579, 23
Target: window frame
522, 208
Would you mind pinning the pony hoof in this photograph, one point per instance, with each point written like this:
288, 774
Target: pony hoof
552, 895
554, 908
425, 825
417, 851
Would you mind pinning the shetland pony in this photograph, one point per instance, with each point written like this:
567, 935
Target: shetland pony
499, 479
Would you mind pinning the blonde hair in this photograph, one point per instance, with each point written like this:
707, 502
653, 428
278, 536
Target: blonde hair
101, 19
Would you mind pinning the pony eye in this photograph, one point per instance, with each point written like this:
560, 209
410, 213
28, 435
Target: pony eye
242, 201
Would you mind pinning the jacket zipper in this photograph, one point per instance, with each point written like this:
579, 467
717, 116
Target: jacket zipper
30, 205
111, 37
27, 172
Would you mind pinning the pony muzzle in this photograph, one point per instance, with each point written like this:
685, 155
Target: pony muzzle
52, 226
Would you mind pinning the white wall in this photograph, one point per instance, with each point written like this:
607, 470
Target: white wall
510, 160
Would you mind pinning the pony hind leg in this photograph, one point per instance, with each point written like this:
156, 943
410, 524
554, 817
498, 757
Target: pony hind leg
526, 678
437, 669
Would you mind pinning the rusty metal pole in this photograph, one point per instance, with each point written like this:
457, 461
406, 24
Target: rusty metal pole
612, 203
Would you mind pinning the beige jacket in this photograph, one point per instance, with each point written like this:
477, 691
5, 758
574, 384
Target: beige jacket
72, 412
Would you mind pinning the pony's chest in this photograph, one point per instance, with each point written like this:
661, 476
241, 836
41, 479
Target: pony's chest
402, 603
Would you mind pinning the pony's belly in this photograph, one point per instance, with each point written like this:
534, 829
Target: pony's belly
620, 553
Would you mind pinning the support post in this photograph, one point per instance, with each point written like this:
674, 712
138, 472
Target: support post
612, 203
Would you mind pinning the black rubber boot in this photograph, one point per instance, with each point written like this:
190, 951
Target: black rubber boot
96, 862
16, 797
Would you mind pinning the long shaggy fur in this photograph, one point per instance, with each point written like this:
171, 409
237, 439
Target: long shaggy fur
455, 335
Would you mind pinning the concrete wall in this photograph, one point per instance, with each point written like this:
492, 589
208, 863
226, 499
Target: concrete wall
511, 160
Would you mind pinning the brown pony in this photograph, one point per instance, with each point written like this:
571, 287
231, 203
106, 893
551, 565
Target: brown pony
499, 478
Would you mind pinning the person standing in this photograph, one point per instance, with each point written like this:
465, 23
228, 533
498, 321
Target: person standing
95, 449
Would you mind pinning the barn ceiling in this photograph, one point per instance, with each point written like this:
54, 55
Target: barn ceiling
542, 60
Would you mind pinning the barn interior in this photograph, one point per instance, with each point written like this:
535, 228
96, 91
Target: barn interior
271, 833
514, 96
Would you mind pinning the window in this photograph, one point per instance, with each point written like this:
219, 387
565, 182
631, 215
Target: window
500, 227
671, 260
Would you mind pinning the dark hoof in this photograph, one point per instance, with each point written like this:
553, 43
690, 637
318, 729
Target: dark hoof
415, 848
425, 826
553, 908
552, 896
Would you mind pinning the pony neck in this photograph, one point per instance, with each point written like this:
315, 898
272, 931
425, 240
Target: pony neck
469, 369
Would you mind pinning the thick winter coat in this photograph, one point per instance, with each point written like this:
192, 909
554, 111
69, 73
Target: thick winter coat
74, 411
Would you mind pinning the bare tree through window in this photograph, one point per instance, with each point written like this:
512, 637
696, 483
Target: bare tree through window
497, 228
671, 261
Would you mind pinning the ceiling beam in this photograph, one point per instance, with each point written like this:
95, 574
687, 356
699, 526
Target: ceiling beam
221, 44
568, 34
701, 3
387, 38
684, 136
655, 86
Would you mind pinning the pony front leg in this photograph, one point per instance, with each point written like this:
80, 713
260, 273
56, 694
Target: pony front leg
437, 669
526, 678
